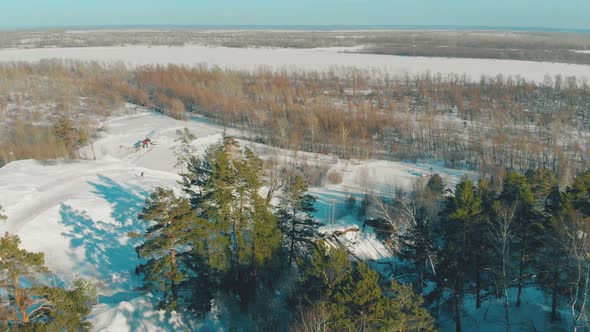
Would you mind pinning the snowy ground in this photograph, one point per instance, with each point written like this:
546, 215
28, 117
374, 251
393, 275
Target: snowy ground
532, 315
301, 59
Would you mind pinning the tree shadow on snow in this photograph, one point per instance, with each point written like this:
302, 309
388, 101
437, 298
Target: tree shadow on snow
105, 245
110, 255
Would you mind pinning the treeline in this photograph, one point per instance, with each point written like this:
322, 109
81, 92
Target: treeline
486, 239
221, 248
63, 138
490, 125
34, 97
524, 54
485, 44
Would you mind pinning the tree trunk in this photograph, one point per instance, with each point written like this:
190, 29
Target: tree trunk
554, 298
521, 268
173, 284
478, 283
422, 276
92, 148
505, 287
174, 291
291, 251
19, 301
457, 314
506, 307
478, 274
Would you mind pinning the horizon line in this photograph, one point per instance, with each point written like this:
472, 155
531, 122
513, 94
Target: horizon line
305, 27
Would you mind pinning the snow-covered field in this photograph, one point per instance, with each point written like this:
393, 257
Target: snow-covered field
80, 212
320, 59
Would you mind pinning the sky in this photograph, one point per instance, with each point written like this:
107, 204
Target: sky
556, 14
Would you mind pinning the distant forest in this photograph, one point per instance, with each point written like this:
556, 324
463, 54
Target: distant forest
491, 125
515, 45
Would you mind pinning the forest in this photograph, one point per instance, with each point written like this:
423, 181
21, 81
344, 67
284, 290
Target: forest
491, 125
218, 245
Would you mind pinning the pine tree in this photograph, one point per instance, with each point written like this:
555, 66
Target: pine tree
184, 150
552, 261
296, 219
70, 307
461, 211
218, 205
480, 245
241, 234
352, 297
516, 191
323, 272
436, 184
171, 221
26, 303
418, 247
411, 315
70, 136
575, 227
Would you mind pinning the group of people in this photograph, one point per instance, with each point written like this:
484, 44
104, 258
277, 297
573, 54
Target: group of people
142, 144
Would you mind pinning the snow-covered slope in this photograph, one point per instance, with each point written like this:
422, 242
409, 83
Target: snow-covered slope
79, 212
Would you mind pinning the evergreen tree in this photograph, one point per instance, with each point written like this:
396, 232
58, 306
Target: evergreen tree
241, 234
575, 228
479, 243
217, 239
171, 221
552, 262
70, 136
68, 307
460, 212
27, 304
436, 184
418, 247
352, 298
411, 315
516, 191
183, 151
295, 213
431, 197
323, 271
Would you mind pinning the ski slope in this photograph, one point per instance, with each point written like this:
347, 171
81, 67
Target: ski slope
79, 212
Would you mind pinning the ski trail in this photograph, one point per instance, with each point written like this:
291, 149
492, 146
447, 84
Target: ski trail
138, 158
62, 188
45, 200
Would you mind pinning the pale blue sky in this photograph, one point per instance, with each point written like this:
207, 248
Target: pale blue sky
561, 14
